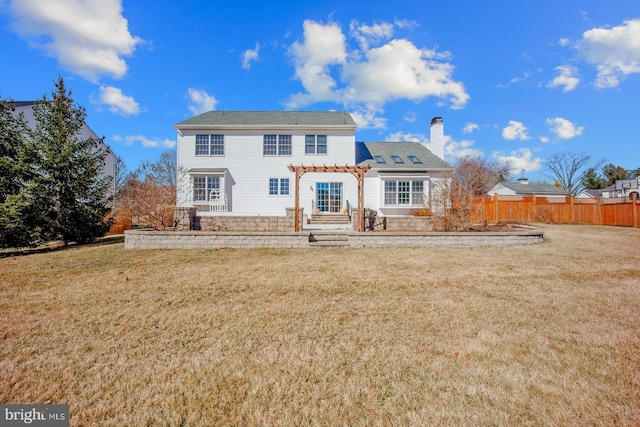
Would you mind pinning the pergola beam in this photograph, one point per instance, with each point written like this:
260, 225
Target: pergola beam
355, 170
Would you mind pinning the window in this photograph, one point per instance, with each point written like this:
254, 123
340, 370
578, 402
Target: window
206, 188
417, 192
379, 159
397, 159
276, 145
414, 159
209, 145
403, 192
279, 186
315, 144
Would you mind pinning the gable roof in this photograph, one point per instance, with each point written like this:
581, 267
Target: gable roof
590, 192
529, 187
267, 119
366, 153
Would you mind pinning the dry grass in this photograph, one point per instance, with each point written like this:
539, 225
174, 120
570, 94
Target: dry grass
534, 335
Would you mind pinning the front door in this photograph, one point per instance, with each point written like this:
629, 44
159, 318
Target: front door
329, 196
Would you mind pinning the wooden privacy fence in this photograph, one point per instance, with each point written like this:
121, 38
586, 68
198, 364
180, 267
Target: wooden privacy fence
621, 211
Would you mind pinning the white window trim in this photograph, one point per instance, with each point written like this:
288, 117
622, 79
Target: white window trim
315, 145
279, 194
412, 203
209, 145
277, 145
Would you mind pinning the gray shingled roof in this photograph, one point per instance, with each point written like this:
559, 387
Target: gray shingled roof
403, 150
533, 188
270, 119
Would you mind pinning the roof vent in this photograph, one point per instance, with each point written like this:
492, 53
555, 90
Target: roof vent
523, 180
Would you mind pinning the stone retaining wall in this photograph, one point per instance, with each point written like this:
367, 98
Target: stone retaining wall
188, 219
408, 223
432, 239
148, 239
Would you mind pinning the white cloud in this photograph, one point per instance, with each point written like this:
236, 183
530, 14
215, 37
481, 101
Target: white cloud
410, 117
400, 70
614, 51
144, 141
371, 76
563, 128
249, 56
515, 130
564, 42
323, 46
520, 159
88, 37
525, 76
365, 34
455, 149
200, 101
469, 127
367, 117
567, 78
408, 137
118, 102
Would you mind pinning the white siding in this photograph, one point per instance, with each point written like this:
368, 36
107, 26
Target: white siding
249, 170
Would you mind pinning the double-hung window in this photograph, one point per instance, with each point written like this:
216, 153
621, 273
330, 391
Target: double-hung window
276, 145
278, 186
206, 188
401, 192
209, 145
315, 144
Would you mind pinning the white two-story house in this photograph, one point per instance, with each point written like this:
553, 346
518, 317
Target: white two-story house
238, 163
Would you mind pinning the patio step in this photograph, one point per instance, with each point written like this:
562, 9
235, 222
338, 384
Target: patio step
333, 218
328, 238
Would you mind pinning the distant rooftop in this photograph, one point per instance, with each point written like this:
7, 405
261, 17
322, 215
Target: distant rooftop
528, 187
270, 119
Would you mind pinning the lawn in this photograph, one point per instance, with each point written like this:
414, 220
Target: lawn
546, 334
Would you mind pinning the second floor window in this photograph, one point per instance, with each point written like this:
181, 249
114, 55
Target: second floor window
209, 145
276, 145
315, 144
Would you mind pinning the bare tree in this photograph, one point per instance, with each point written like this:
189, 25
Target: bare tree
149, 192
568, 169
454, 196
475, 175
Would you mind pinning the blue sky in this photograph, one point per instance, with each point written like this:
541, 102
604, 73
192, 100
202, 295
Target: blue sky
517, 80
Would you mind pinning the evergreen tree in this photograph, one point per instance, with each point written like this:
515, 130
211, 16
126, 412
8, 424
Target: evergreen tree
591, 180
612, 173
18, 212
69, 188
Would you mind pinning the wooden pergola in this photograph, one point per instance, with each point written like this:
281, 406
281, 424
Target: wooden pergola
357, 171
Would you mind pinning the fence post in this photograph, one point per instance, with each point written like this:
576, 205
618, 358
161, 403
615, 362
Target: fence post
572, 213
634, 209
533, 208
495, 208
599, 207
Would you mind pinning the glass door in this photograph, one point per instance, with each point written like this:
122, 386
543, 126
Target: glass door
329, 197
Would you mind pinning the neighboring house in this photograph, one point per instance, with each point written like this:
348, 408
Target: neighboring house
522, 187
621, 188
237, 163
110, 161
589, 193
